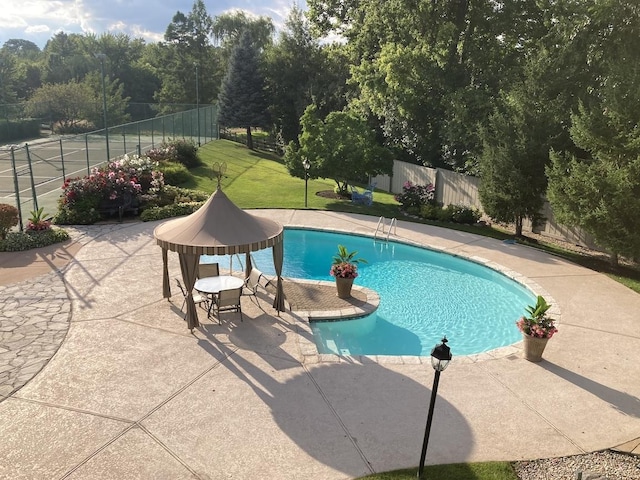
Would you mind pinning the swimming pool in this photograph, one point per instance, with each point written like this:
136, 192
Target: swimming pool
423, 295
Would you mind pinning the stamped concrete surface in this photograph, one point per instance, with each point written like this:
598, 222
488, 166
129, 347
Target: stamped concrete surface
131, 393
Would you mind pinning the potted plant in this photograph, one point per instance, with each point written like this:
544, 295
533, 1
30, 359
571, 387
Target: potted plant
537, 328
345, 270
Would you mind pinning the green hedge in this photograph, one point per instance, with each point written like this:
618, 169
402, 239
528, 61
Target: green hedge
15, 130
19, 241
168, 211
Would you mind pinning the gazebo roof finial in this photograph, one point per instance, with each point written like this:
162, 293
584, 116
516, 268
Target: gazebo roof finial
218, 171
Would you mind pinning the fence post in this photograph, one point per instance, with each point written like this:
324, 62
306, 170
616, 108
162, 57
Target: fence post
124, 141
33, 185
86, 149
139, 142
163, 130
16, 187
64, 177
153, 145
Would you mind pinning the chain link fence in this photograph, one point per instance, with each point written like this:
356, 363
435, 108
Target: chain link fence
31, 175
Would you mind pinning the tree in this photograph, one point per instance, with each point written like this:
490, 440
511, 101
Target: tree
187, 48
292, 65
65, 105
598, 188
117, 103
342, 147
428, 71
512, 166
242, 100
229, 27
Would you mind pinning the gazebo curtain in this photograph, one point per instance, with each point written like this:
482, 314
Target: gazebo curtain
189, 268
278, 257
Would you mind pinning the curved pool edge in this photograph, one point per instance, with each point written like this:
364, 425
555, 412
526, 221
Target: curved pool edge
310, 352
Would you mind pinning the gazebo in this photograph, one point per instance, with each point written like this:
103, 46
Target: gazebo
219, 227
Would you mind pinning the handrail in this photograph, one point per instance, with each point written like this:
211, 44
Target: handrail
393, 223
380, 221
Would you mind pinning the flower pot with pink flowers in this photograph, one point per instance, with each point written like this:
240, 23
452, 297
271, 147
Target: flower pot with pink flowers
345, 270
537, 328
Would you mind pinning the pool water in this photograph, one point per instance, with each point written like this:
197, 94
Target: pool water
424, 295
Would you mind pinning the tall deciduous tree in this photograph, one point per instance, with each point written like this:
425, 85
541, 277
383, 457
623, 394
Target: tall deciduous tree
292, 67
429, 70
187, 48
242, 101
342, 147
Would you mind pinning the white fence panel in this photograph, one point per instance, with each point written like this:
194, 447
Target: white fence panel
454, 188
458, 189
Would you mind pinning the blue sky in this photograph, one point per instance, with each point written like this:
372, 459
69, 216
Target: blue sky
39, 20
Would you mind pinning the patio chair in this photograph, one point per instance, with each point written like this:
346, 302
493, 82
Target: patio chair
208, 270
197, 298
255, 280
365, 198
228, 301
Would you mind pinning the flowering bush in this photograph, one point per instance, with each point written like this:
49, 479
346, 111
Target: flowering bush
345, 265
163, 153
113, 182
120, 182
8, 218
416, 195
537, 324
177, 150
37, 223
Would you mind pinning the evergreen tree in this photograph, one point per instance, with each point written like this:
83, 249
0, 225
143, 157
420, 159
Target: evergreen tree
598, 188
242, 101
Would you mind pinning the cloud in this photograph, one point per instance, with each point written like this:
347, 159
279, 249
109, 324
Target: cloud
37, 29
35, 20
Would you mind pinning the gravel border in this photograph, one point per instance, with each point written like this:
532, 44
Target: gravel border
604, 465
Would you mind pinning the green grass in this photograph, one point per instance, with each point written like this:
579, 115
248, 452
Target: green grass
454, 471
260, 180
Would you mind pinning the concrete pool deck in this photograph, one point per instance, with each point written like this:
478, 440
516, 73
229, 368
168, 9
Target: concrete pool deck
131, 393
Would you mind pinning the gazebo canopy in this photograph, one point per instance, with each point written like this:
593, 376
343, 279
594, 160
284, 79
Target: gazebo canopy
219, 227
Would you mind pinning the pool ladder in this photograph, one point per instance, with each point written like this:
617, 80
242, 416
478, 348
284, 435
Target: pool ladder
381, 226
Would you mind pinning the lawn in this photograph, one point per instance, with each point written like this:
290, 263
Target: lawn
455, 471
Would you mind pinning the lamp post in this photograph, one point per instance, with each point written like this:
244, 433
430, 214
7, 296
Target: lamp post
197, 100
101, 57
306, 165
440, 358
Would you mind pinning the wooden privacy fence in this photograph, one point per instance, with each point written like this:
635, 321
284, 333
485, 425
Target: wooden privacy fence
454, 188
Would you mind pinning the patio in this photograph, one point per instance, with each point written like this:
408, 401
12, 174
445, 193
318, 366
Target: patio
131, 393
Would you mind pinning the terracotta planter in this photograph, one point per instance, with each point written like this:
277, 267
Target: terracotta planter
344, 287
534, 347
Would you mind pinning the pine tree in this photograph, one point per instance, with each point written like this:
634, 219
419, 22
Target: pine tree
242, 101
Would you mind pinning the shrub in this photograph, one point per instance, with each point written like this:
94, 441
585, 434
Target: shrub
430, 211
82, 213
122, 179
8, 218
415, 195
463, 214
19, 241
168, 211
182, 195
164, 153
175, 173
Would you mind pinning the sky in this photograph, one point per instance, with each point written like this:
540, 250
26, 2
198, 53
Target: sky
38, 20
